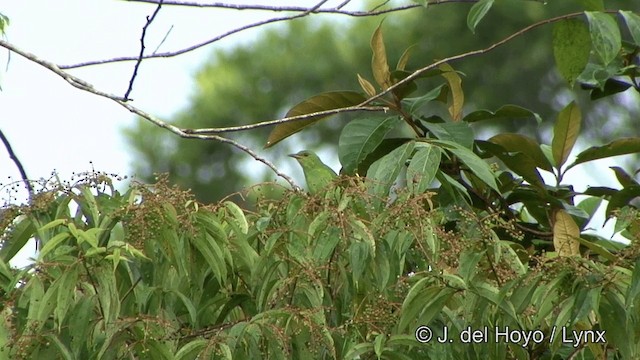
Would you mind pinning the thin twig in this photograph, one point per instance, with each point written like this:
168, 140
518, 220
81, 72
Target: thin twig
16, 160
199, 45
142, 47
82, 85
163, 40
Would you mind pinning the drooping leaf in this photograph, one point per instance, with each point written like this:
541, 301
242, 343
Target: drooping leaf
633, 24
384, 172
525, 145
605, 36
504, 112
476, 165
359, 138
477, 12
457, 95
405, 89
623, 178
610, 87
571, 48
322, 102
617, 147
565, 133
621, 198
565, 234
379, 64
423, 168
366, 86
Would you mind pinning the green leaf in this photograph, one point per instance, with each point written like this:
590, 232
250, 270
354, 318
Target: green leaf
414, 104
617, 147
477, 166
457, 95
477, 12
624, 179
379, 64
509, 112
565, 234
191, 349
571, 48
565, 133
605, 36
458, 132
633, 24
361, 137
525, 145
385, 147
17, 239
423, 168
237, 216
384, 172
358, 252
366, 86
424, 3
326, 101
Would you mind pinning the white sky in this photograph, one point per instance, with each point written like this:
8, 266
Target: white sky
54, 126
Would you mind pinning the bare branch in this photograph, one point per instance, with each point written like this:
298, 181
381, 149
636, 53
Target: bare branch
82, 85
12, 156
199, 45
287, 119
142, 47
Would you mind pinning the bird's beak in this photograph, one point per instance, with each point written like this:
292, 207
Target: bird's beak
295, 156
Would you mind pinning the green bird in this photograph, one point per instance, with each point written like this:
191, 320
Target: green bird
316, 173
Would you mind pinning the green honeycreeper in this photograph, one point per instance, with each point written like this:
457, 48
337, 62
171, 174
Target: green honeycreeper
316, 173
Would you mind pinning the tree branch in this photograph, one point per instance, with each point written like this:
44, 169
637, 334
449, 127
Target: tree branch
15, 159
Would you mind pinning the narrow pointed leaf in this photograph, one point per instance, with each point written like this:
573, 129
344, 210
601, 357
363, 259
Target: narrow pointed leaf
605, 36
519, 163
565, 234
505, 112
423, 168
477, 12
525, 145
404, 59
571, 48
617, 147
322, 102
366, 86
459, 132
457, 95
565, 133
379, 64
476, 165
359, 138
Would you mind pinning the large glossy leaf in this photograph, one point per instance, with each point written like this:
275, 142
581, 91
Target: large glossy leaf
477, 12
605, 36
423, 168
359, 138
384, 172
525, 145
617, 147
458, 132
571, 48
476, 165
565, 133
504, 112
457, 95
379, 64
385, 147
326, 101
633, 24
565, 234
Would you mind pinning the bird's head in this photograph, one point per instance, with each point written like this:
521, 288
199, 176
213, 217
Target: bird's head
304, 156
